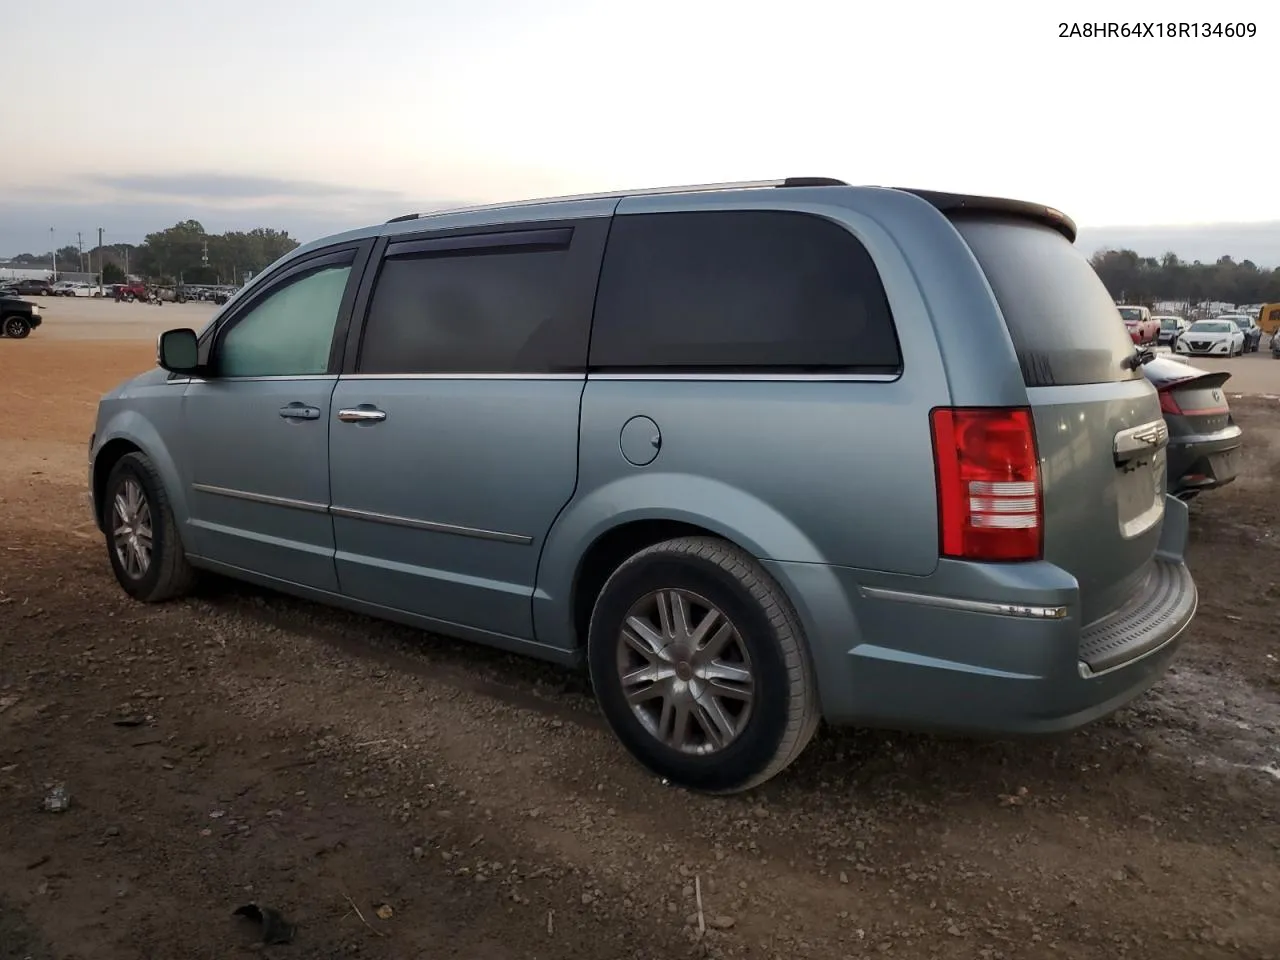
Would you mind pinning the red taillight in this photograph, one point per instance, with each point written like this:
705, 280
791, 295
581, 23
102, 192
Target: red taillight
990, 505
1169, 403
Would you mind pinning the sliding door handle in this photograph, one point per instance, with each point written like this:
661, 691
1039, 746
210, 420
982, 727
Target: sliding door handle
364, 413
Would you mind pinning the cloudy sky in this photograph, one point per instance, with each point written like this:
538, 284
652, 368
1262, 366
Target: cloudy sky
319, 116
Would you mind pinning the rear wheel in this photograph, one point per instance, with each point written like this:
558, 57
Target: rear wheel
142, 537
16, 328
699, 664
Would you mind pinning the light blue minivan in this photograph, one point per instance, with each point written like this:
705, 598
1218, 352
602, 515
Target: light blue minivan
759, 455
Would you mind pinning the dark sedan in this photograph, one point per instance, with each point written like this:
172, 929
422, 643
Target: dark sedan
1204, 439
28, 288
1252, 332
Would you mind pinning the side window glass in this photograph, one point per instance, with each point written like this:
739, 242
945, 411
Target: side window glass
730, 289
288, 334
503, 310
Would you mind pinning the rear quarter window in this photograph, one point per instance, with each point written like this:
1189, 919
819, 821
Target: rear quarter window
1064, 325
740, 290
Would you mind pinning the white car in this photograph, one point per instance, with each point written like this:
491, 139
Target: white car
1211, 338
72, 288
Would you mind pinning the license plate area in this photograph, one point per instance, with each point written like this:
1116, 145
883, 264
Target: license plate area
1225, 464
1140, 493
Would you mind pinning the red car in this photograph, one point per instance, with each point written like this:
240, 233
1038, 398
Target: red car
1143, 328
129, 291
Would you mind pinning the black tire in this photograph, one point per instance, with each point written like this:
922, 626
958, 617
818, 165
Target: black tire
168, 575
16, 328
784, 713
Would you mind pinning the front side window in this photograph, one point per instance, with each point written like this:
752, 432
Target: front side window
740, 289
289, 333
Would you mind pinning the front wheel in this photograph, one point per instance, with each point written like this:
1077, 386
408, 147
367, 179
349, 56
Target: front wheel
142, 536
699, 664
16, 328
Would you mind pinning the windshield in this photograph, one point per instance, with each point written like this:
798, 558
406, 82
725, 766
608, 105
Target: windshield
1131, 313
1241, 321
1211, 326
1168, 323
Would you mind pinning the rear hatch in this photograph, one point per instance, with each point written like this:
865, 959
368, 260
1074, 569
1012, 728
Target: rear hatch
1099, 430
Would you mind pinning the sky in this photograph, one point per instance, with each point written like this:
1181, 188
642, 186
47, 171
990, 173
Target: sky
322, 116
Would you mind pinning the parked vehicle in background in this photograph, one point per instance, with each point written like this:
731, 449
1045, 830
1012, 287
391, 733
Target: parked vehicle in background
1269, 318
1217, 337
73, 288
1204, 439
30, 288
1142, 327
1275, 346
129, 292
1249, 327
1170, 329
18, 317
980, 540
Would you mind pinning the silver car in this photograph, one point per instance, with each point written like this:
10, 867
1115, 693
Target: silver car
758, 455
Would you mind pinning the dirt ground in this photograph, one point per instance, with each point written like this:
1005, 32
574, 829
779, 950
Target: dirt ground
398, 795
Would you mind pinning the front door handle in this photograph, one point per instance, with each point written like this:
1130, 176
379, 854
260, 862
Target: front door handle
299, 411
362, 414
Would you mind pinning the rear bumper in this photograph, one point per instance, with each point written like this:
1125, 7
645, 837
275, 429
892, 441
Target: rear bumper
984, 648
1203, 462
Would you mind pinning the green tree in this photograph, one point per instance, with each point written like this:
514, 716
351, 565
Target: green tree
69, 257
111, 273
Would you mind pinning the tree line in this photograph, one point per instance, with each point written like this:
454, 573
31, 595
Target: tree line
1146, 280
183, 253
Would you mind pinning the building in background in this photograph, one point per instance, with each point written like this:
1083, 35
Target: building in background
8, 272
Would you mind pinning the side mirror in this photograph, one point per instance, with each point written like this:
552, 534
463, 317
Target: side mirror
178, 351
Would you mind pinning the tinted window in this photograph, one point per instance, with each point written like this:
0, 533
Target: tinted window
289, 333
1060, 317
504, 310
1131, 313
740, 289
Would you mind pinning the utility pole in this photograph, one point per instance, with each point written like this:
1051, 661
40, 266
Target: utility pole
101, 252
80, 241
53, 246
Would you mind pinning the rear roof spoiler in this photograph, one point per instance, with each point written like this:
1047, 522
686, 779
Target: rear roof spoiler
960, 203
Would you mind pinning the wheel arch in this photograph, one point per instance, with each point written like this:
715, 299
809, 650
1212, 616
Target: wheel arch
131, 433
593, 536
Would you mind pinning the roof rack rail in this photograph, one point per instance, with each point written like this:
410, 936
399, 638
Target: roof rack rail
645, 192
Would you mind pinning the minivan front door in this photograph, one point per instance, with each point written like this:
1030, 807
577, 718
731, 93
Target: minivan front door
259, 493
454, 438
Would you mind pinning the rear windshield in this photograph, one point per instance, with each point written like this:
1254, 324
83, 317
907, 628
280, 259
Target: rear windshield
1060, 316
1167, 323
1131, 313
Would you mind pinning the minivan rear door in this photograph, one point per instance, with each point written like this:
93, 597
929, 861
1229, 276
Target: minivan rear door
1099, 429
